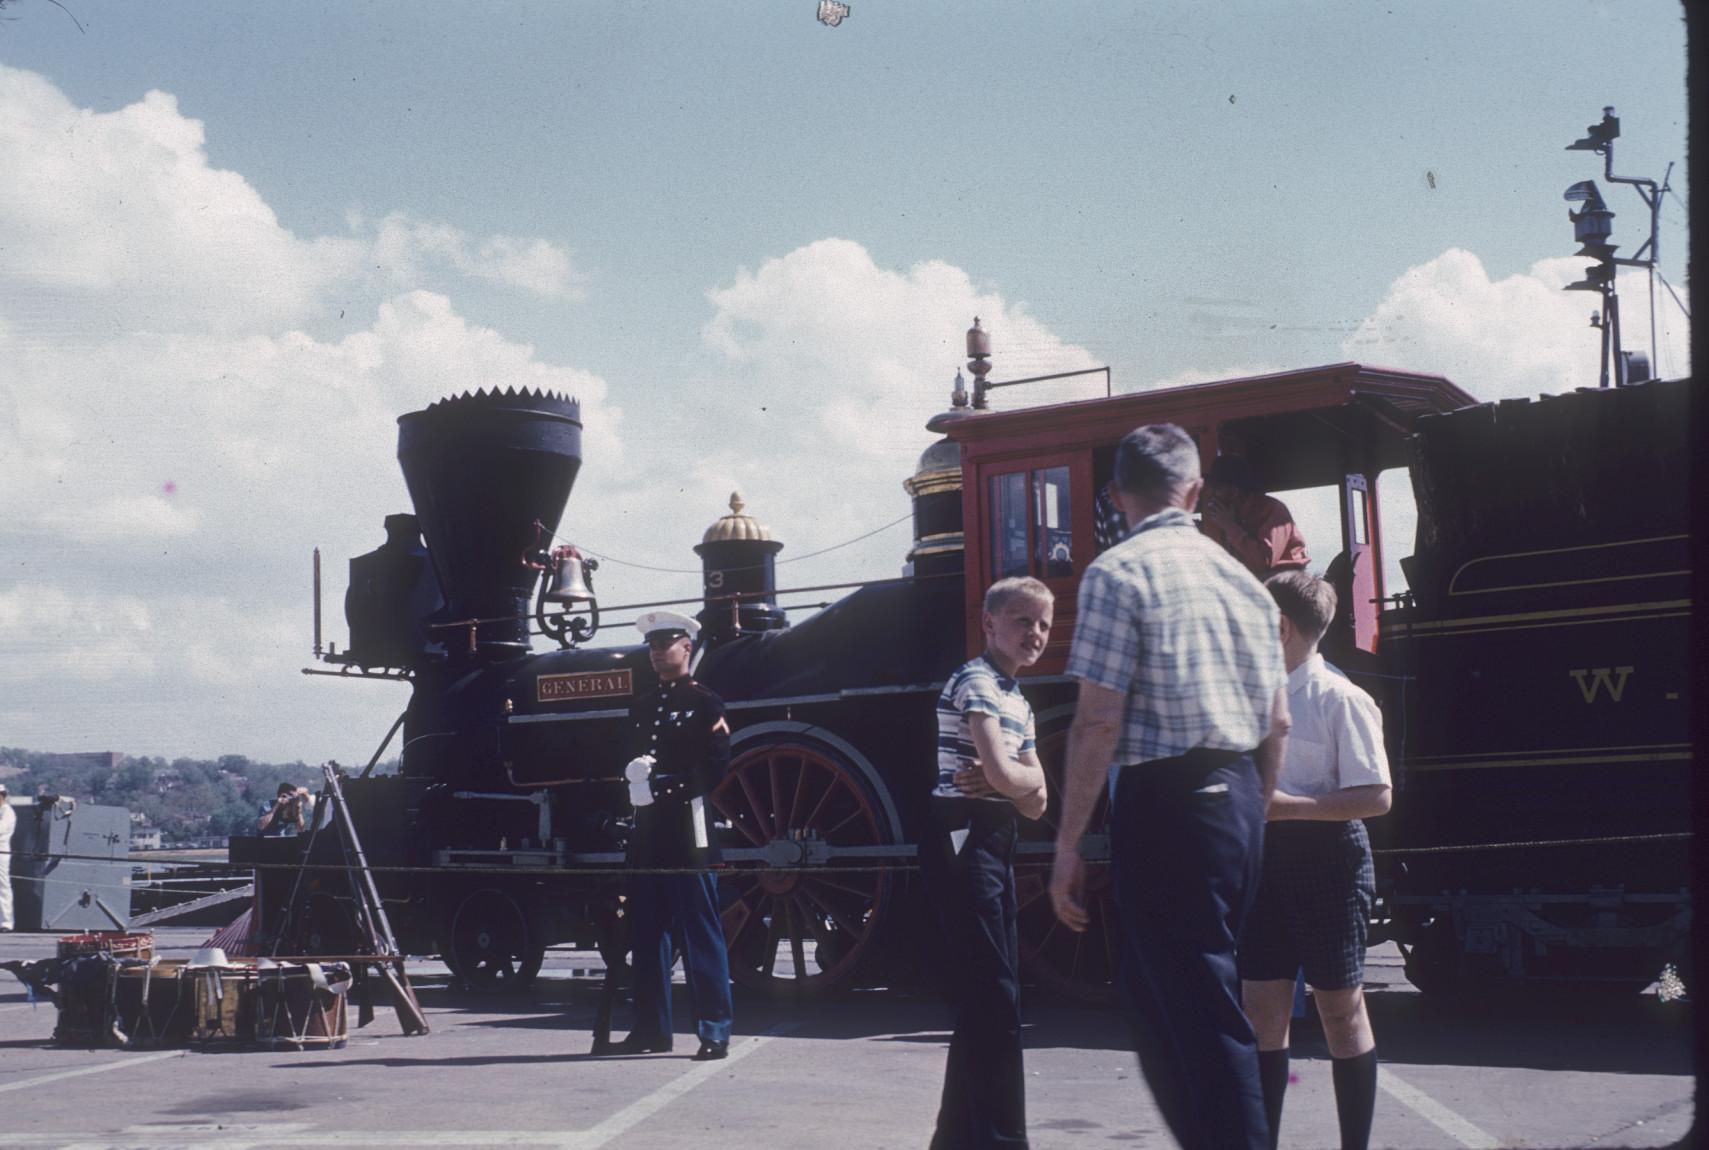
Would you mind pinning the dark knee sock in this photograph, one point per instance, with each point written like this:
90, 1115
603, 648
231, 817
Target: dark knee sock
1355, 1097
1273, 1078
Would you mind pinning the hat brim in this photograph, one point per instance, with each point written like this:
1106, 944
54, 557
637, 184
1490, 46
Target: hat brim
658, 622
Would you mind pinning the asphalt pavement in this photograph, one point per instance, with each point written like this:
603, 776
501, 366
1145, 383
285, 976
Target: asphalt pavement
860, 1071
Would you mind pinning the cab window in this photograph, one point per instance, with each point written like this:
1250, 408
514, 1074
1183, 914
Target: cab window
1032, 524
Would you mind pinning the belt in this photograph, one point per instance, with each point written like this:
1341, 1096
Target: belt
1204, 758
962, 807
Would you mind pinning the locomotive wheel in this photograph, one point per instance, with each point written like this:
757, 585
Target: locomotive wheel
1079, 967
806, 930
491, 947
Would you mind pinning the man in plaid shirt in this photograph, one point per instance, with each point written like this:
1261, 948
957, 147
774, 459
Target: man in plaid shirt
1182, 715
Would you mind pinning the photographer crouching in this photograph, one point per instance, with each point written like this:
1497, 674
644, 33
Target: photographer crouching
287, 814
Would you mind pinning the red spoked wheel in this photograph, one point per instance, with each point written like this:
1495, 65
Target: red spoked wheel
1081, 967
804, 918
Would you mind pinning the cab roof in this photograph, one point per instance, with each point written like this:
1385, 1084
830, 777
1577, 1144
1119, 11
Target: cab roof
1289, 423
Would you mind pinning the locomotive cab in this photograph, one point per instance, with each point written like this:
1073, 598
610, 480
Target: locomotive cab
1032, 478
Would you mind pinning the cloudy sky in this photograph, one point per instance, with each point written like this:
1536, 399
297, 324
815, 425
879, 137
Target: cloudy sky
237, 241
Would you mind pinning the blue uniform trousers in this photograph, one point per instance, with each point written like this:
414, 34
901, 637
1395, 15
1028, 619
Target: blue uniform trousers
680, 909
972, 890
1187, 838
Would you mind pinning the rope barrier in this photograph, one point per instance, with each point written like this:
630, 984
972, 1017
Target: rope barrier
1536, 843
618, 869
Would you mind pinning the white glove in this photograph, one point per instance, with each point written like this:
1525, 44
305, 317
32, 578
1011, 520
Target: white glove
638, 772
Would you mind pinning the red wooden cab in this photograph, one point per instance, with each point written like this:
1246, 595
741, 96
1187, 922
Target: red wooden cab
1030, 476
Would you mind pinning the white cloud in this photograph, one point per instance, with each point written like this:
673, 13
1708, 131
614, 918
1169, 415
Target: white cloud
117, 219
174, 439
123, 519
52, 635
402, 243
820, 369
1515, 337
867, 354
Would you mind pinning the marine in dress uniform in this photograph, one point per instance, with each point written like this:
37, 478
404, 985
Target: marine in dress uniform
682, 749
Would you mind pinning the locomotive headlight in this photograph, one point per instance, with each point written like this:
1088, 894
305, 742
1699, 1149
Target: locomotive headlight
509, 706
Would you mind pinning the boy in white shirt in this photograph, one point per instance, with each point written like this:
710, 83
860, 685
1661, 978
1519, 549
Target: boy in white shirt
1314, 900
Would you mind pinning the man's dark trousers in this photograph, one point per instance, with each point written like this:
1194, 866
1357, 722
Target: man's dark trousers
1187, 837
973, 895
683, 907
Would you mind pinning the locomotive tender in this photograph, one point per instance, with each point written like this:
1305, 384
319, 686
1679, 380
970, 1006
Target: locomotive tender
502, 833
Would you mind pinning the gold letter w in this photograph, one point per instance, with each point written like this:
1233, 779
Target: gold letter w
1613, 678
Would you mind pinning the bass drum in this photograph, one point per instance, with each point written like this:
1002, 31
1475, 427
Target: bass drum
810, 811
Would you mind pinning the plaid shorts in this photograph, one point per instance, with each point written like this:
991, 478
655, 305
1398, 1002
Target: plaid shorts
1314, 905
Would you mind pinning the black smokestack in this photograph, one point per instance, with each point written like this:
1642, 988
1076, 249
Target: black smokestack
482, 469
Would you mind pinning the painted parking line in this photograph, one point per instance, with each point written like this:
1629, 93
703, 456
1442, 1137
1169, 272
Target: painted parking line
122, 1063
210, 1136
257, 1137
1461, 1130
645, 1107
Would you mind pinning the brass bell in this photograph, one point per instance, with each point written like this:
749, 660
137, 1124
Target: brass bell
570, 577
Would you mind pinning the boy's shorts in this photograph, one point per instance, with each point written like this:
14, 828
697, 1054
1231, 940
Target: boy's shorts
1314, 905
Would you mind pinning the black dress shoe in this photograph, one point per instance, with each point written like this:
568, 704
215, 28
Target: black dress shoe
712, 1051
640, 1044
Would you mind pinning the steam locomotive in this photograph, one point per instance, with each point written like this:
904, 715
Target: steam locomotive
1533, 677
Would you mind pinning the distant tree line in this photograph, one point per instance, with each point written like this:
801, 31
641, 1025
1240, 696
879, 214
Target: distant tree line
186, 798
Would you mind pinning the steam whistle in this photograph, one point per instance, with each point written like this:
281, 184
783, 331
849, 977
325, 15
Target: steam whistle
568, 586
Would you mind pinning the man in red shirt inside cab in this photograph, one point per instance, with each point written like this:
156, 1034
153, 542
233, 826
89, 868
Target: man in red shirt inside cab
1255, 528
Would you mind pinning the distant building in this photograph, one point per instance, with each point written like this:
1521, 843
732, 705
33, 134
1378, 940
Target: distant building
145, 840
107, 760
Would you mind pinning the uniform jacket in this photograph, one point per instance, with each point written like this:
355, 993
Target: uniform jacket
682, 725
1260, 532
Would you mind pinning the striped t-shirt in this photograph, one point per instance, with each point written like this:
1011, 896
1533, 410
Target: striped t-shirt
978, 686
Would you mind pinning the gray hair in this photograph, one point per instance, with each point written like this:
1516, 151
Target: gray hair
1306, 600
1005, 591
1156, 459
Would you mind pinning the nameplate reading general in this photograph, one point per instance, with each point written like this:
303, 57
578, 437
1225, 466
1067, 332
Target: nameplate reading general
586, 685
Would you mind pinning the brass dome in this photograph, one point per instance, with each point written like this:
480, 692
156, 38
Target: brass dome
736, 526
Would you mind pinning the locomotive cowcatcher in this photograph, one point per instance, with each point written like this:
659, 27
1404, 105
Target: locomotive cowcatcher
502, 832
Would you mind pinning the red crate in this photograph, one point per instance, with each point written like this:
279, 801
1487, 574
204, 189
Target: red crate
118, 943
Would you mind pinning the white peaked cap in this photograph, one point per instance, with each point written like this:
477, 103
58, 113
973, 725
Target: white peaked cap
667, 621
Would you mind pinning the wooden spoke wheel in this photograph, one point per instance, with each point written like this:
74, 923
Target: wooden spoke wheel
324, 924
800, 923
1082, 966
491, 946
